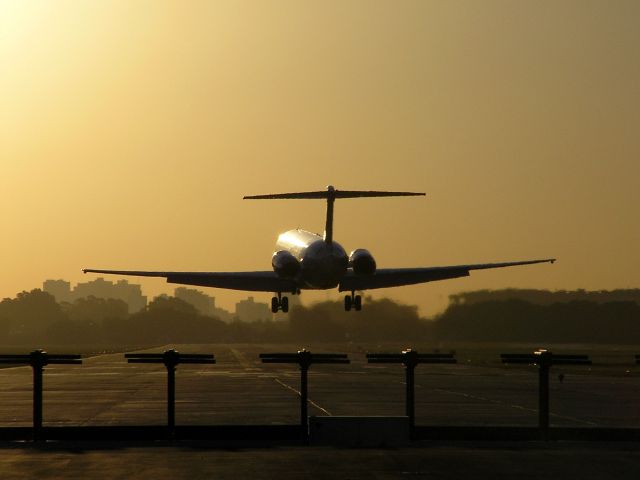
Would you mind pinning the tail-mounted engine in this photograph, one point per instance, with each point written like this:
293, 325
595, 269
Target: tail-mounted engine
285, 264
362, 262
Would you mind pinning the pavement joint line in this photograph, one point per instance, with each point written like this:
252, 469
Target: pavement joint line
415, 385
114, 403
297, 392
519, 407
574, 419
242, 360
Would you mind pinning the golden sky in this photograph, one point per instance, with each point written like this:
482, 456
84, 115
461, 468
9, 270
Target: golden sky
130, 130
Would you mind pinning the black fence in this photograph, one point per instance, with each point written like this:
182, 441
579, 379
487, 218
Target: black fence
171, 359
38, 359
544, 359
304, 359
410, 359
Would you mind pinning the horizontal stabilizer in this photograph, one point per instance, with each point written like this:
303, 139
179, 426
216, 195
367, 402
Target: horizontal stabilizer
331, 193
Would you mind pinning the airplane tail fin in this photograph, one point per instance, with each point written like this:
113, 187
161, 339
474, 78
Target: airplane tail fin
331, 194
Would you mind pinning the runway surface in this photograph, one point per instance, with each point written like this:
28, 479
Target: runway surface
105, 390
520, 461
239, 389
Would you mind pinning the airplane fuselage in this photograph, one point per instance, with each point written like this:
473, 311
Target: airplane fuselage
321, 265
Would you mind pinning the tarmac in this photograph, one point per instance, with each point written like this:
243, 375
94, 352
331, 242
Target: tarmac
437, 460
240, 390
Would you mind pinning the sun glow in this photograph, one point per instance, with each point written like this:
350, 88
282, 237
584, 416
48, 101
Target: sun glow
129, 132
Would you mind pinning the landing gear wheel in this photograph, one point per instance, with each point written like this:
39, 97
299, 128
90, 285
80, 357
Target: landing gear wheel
275, 304
284, 304
347, 303
357, 303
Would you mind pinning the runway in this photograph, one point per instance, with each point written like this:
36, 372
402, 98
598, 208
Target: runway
240, 390
425, 462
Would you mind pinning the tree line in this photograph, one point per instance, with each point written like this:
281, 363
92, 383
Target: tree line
35, 318
546, 297
515, 320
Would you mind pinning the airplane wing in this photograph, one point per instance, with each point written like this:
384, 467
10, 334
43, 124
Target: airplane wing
266, 281
396, 277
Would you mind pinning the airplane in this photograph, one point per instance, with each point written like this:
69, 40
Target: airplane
309, 261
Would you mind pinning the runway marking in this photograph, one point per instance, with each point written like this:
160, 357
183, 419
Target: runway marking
242, 360
519, 407
297, 392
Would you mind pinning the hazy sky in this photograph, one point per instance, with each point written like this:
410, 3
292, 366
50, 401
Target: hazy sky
130, 130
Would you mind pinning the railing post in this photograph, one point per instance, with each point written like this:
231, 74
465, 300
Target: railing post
304, 359
410, 363
170, 359
544, 364
38, 361
304, 398
410, 359
305, 363
544, 360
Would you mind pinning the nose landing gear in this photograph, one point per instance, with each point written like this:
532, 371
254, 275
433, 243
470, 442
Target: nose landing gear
354, 301
279, 303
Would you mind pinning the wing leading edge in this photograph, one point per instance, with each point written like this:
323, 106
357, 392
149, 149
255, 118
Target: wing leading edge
396, 277
266, 281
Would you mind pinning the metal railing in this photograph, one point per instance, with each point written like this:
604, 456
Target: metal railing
544, 359
410, 359
304, 359
171, 359
38, 359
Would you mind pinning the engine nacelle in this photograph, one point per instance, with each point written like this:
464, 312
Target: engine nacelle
362, 262
285, 264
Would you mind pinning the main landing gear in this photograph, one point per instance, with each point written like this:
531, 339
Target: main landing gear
354, 301
279, 303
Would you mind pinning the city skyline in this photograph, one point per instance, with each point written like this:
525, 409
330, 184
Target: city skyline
246, 310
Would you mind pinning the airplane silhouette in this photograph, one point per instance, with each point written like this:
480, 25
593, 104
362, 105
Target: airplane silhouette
308, 261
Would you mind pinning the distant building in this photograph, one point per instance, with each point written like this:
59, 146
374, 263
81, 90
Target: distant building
205, 304
250, 311
130, 293
222, 314
60, 289
202, 302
